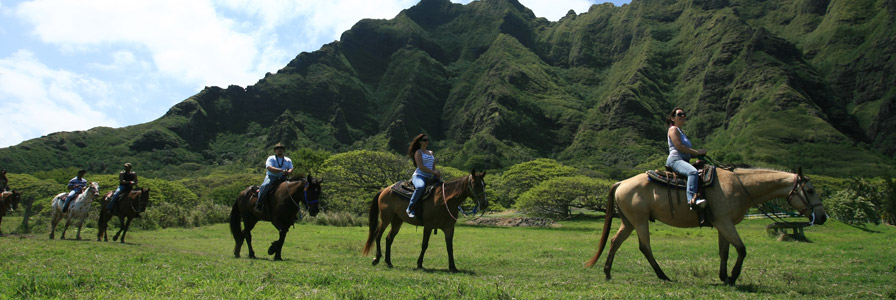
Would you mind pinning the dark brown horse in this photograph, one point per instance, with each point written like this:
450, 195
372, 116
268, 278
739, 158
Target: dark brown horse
439, 212
283, 203
129, 207
729, 198
8, 201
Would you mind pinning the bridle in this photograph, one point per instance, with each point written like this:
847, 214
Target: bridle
472, 194
307, 202
799, 183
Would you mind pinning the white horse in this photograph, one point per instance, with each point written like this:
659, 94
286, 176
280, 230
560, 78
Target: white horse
79, 208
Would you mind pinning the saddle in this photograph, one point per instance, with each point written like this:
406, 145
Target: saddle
707, 175
253, 192
405, 189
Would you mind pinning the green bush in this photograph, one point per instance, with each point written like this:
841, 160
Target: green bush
351, 179
524, 176
557, 197
856, 204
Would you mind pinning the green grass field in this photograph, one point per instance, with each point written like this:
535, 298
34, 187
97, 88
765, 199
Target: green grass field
840, 262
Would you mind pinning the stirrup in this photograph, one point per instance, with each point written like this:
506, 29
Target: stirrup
701, 203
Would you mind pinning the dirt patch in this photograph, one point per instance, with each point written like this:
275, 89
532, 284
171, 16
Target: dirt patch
515, 222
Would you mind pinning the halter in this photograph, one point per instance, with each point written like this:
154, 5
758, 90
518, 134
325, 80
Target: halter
799, 184
307, 202
472, 193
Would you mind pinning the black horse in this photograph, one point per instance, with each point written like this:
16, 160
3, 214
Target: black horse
282, 210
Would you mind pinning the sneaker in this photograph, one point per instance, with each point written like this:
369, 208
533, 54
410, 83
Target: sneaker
410, 214
699, 203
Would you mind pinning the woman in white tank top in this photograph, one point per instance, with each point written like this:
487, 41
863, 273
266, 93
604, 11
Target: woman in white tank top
426, 171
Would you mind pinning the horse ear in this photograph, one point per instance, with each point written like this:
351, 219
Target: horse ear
473, 171
800, 171
308, 179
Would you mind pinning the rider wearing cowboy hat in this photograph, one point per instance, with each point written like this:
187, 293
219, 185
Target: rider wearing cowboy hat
278, 168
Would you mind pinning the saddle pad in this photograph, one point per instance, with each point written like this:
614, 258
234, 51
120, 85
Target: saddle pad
405, 189
707, 175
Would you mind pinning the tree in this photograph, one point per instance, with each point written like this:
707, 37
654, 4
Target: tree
558, 196
308, 161
352, 178
856, 204
523, 176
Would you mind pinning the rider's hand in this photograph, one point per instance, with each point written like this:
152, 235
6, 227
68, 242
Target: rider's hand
701, 152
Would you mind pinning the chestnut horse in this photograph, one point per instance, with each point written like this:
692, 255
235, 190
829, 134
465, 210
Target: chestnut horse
79, 208
8, 201
439, 212
729, 198
283, 203
129, 207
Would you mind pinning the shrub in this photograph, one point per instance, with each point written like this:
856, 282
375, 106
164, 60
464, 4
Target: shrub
557, 197
856, 204
524, 176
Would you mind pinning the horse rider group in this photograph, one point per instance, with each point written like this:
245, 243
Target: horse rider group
127, 180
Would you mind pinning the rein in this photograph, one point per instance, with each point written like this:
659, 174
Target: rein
797, 184
307, 202
472, 193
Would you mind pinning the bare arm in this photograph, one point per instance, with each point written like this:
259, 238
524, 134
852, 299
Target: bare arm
418, 157
676, 141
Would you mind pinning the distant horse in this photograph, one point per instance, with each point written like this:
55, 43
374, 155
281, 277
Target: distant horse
283, 204
79, 209
728, 198
8, 201
439, 212
129, 207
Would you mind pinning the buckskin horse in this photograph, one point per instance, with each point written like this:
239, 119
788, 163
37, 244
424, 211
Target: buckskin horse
129, 207
79, 208
283, 208
729, 198
439, 211
8, 201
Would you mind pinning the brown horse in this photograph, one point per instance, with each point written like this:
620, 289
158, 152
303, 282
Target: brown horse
283, 203
8, 201
129, 207
729, 198
439, 212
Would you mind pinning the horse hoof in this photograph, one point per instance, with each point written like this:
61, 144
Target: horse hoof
278, 259
419, 268
236, 255
252, 256
453, 270
388, 265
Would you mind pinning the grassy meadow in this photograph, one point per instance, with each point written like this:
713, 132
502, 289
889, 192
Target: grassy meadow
840, 262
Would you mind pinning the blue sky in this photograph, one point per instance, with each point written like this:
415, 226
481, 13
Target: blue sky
73, 65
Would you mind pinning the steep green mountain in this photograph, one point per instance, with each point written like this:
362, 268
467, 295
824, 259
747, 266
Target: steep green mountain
787, 83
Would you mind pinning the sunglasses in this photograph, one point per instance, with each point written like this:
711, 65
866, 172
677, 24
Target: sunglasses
681, 114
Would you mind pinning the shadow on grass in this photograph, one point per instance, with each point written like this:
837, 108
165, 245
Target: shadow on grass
445, 271
863, 228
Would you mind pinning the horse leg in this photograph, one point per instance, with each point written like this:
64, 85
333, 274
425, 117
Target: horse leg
125, 229
396, 225
248, 224
277, 247
379, 236
120, 228
724, 246
729, 233
100, 226
643, 230
621, 235
80, 225
53, 222
449, 244
426, 233
68, 220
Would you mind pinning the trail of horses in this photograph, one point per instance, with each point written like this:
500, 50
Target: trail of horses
524, 263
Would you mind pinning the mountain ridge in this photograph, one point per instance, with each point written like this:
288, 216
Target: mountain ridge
770, 84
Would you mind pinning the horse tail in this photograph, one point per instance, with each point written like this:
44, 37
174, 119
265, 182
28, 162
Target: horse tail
608, 221
235, 220
373, 222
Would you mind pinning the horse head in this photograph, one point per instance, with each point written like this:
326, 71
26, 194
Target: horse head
477, 188
804, 198
13, 199
312, 195
94, 188
142, 200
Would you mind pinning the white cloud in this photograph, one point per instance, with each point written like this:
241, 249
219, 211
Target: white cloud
36, 100
555, 9
186, 39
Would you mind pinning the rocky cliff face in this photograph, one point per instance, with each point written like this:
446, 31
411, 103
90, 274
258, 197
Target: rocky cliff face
775, 83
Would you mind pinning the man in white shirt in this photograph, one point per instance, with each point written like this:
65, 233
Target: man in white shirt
278, 168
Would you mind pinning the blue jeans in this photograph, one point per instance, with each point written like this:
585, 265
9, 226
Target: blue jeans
68, 199
114, 198
685, 168
262, 190
419, 182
